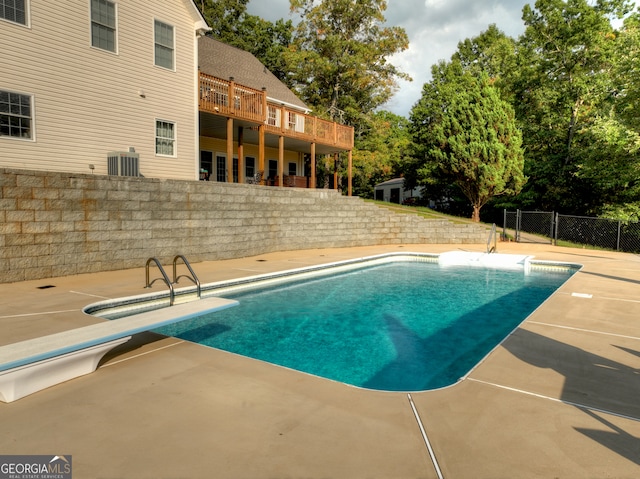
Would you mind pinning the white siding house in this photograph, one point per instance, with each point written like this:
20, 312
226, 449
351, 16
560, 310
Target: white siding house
82, 78
393, 191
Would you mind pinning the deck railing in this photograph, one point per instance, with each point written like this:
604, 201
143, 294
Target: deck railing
227, 98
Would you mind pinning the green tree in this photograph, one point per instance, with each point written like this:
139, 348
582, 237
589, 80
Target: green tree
611, 164
493, 53
466, 133
565, 58
224, 17
339, 57
267, 41
381, 151
626, 74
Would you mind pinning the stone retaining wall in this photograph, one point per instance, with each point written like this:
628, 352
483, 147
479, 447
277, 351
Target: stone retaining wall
58, 224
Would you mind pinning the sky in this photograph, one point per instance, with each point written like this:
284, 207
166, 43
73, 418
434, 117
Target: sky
434, 28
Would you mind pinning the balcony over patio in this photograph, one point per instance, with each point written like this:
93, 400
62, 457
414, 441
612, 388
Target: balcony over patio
251, 109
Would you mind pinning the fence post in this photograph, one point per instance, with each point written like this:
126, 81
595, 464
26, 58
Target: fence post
618, 241
504, 224
518, 225
555, 232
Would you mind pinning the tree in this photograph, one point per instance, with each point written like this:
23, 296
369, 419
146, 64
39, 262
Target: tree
339, 57
224, 17
494, 53
565, 57
466, 133
381, 151
267, 41
626, 74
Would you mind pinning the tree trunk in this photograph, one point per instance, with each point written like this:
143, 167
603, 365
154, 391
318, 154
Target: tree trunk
476, 214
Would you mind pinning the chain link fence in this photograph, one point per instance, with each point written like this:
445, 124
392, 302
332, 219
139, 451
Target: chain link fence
549, 227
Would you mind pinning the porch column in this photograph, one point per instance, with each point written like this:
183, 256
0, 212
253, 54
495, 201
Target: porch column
350, 188
230, 150
313, 166
261, 152
240, 154
335, 171
281, 161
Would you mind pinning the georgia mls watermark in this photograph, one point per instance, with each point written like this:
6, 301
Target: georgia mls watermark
35, 467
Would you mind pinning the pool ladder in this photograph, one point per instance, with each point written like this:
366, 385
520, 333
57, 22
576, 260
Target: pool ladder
492, 234
165, 278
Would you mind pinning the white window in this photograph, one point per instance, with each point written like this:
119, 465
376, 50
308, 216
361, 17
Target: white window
16, 117
273, 116
163, 45
292, 121
165, 138
14, 11
103, 25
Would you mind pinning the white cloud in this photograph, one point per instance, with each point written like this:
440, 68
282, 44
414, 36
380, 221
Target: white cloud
434, 28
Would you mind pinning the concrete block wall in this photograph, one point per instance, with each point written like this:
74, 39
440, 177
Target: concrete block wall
58, 224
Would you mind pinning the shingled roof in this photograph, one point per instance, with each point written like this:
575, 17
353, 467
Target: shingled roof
224, 61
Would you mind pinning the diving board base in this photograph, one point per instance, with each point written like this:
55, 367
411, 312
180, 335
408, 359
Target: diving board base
21, 381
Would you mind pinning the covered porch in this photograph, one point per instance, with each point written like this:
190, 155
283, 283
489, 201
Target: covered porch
245, 137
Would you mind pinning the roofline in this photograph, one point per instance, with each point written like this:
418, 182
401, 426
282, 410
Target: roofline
201, 23
290, 105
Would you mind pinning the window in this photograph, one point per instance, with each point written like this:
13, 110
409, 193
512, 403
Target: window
165, 138
163, 45
14, 11
221, 168
272, 119
249, 166
15, 115
292, 121
273, 168
206, 165
103, 25
234, 170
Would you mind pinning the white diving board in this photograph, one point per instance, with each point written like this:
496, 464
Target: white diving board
35, 364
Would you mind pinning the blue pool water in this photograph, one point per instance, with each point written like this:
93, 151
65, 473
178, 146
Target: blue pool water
400, 326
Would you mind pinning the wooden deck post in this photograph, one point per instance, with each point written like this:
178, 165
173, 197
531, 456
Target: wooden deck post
281, 161
230, 150
350, 187
261, 152
240, 154
313, 166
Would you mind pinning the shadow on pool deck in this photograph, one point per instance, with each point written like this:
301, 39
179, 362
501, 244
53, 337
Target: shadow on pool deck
165, 408
588, 386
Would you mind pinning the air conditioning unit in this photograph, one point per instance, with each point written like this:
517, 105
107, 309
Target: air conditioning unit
123, 163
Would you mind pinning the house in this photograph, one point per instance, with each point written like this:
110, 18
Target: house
253, 128
394, 192
82, 79
132, 88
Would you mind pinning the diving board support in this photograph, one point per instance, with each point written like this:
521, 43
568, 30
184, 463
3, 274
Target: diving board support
30, 378
35, 364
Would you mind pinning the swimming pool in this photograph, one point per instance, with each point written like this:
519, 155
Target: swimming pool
405, 323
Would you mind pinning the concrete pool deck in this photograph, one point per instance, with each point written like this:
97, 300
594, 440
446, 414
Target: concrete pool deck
560, 398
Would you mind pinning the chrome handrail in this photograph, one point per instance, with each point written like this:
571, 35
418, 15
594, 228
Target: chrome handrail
492, 233
164, 278
193, 276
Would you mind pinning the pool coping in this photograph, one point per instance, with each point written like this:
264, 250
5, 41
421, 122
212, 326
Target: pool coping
222, 288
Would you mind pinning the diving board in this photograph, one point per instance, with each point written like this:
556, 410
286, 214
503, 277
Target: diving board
35, 364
